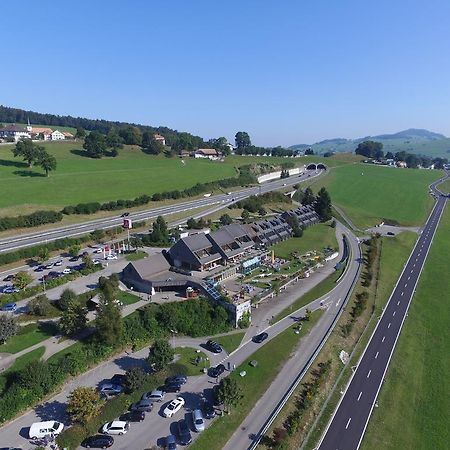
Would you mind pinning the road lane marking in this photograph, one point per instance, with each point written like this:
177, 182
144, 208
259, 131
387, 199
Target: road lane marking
384, 337
339, 301
398, 303
389, 325
368, 373
406, 284
376, 356
393, 314
359, 396
409, 278
402, 293
348, 423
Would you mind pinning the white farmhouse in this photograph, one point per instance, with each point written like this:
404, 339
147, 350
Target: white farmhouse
58, 136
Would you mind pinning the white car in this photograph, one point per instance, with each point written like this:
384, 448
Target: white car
173, 407
66, 271
40, 430
96, 262
99, 250
59, 262
109, 257
116, 427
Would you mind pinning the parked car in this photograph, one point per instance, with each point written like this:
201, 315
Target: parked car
154, 396
74, 259
9, 307
198, 421
98, 441
66, 271
213, 346
96, 262
59, 262
118, 378
110, 257
98, 250
179, 379
390, 233
116, 427
49, 266
40, 430
171, 442
136, 416
208, 411
111, 389
172, 387
10, 277
260, 338
173, 407
39, 269
184, 433
142, 405
216, 371
10, 290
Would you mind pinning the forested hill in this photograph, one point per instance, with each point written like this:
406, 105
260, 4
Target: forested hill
15, 115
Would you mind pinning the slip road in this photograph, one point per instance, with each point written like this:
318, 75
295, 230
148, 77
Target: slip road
346, 428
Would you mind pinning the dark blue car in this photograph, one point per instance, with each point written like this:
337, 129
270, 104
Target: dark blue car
98, 441
9, 307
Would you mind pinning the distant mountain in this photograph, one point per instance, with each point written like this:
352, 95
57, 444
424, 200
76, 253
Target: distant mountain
418, 141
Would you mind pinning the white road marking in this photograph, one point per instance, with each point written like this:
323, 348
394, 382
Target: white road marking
339, 301
389, 325
393, 314
359, 396
398, 303
384, 337
348, 423
402, 293
406, 284
368, 373
409, 278
376, 356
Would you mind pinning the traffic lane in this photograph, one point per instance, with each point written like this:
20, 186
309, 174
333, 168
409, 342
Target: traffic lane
74, 230
348, 424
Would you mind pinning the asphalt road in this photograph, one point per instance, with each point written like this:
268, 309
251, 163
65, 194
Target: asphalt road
26, 240
348, 424
143, 435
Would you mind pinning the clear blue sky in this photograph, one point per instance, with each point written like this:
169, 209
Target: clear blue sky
285, 71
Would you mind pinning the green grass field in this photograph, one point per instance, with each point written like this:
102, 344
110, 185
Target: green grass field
371, 194
136, 255
315, 237
414, 403
445, 186
187, 362
29, 335
230, 342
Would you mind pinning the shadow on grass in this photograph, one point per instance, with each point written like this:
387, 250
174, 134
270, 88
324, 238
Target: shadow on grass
29, 173
9, 163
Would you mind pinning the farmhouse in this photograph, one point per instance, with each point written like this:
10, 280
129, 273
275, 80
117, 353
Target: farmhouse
210, 153
159, 138
57, 136
14, 131
41, 133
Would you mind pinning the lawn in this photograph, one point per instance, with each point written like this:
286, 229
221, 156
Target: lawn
136, 255
190, 361
126, 298
29, 335
445, 187
316, 237
230, 342
370, 194
271, 357
414, 404
20, 363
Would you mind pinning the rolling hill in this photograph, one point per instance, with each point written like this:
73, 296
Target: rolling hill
417, 141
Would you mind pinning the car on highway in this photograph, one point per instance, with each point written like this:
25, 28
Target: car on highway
136, 416
208, 410
9, 307
40, 430
184, 433
171, 442
111, 389
216, 371
142, 405
116, 427
178, 379
198, 421
98, 441
125, 214
173, 407
213, 346
260, 337
154, 396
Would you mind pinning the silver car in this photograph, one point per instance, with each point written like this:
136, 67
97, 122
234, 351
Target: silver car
198, 421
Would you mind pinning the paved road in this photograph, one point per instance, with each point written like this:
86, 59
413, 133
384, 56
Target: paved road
154, 427
346, 428
25, 240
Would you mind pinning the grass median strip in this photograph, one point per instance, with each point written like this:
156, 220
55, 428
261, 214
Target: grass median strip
230, 342
270, 357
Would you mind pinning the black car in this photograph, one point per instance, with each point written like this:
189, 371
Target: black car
184, 433
178, 379
74, 258
208, 411
9, 278
98, 441
216, 371
39, 269
136, 416
118, 378
125, 214
213, 346
260, 338
172, 387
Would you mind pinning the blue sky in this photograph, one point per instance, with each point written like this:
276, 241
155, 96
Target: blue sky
285, 71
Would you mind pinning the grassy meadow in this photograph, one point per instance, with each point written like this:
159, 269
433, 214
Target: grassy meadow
414, 397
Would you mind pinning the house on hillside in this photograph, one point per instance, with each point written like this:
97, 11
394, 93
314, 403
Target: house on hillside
41, 133
210, 153
159, 138
68, 135
14, 131
58, 136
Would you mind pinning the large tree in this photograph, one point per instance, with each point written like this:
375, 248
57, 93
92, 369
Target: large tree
28, 150
242, 140
67, 297
95, 144
150, 144
22, 279
229, 392
161, 354
323, 205
73, 319
47, 162
108, 324
370, 149
135, 377
83, 404
308, 197
39, 305
114, 140
8, 327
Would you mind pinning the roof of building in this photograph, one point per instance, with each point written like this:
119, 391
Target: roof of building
38, 130
151, 266
207, 151
197, 241
67, 134
14, 129
159, 137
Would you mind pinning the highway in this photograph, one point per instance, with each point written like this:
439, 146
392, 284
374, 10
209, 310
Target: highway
221, 200
348, 424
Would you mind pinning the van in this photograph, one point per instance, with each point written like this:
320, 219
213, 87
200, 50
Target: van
40, 430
